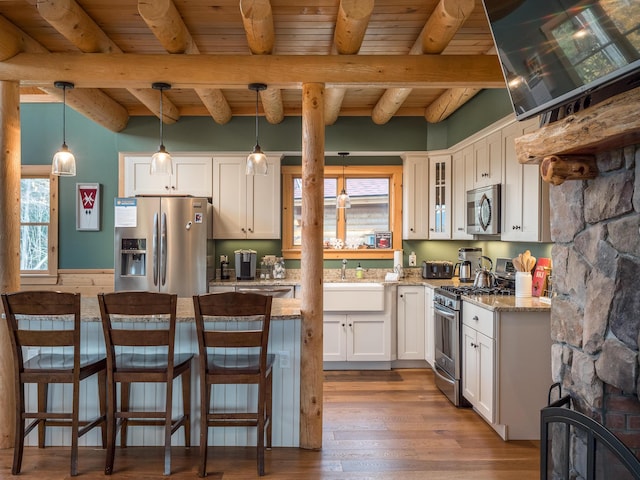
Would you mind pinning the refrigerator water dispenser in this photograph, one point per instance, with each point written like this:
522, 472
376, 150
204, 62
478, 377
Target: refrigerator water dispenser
133, 257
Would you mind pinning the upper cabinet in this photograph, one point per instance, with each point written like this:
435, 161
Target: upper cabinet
440, 197
462, 172
245, 206
415, 196
191, 176
488, 160
525, 195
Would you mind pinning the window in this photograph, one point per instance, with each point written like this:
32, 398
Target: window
376, 206
38, 225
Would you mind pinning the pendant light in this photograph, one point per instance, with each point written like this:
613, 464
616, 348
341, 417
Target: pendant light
257, 160
161, 163
64, 163
343, 200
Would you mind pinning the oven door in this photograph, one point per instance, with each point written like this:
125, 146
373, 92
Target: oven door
447, 340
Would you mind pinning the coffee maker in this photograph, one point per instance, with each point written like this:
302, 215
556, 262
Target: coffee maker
245, 264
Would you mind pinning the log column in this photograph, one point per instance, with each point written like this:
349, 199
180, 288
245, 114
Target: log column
9, 243
311, 265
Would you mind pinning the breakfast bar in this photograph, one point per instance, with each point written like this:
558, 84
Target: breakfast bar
284, 342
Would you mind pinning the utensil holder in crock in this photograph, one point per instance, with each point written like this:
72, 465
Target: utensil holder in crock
523, 284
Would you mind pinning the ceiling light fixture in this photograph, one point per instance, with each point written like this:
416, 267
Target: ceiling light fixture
343, 200
161, 162
64, 163
257, 160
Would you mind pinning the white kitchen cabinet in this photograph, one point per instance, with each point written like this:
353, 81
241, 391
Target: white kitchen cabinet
525, 196
415, 196
488, 160
429, 327
506, 367
245, 206
440, 197
356, 337
462, 180
191, 176
411, 322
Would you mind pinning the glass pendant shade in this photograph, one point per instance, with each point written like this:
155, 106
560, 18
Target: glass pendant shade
161, 161
343, 200
257, 160
64, 163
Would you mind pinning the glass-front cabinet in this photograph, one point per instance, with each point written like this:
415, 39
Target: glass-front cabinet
440, 197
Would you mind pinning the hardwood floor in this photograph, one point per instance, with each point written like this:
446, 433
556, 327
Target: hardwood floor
377, 425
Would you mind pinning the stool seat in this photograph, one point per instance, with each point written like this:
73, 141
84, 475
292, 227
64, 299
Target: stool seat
236, 364
132, 362
63, 362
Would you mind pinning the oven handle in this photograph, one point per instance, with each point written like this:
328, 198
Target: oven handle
447, 378
443, 312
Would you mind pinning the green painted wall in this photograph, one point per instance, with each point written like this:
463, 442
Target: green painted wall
96, 150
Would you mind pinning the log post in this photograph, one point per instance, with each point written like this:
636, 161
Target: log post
555, 169
311, 265
9, 243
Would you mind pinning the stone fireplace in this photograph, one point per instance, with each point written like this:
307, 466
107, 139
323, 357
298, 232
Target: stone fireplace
595, 317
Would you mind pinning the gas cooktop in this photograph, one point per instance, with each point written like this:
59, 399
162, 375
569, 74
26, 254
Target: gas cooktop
471, 290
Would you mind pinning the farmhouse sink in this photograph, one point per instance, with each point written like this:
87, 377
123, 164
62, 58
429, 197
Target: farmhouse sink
353, 297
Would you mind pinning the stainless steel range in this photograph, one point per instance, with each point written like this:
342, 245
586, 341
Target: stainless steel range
447, 315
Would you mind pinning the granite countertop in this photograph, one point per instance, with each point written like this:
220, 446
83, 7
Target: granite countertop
281, 309
508, 303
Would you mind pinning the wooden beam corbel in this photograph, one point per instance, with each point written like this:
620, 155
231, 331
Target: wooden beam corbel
164, 20
555, 169
71, 21
441, 26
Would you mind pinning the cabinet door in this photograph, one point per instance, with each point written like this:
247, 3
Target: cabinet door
411, 322
368, 337
525, 204
334, 330
429, 332
485, 364
229, 197
415, 200
470, 381
263, 203
192, 176
462, 180
138, 179
440, 197
488, 160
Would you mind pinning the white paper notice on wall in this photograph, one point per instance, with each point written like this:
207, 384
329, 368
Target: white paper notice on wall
87, 206
126, 212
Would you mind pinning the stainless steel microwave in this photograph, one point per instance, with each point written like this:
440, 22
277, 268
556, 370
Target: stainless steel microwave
483, 210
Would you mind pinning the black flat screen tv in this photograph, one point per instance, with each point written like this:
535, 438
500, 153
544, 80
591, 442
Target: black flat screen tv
561, 56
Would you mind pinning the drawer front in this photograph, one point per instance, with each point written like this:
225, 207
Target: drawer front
478, 318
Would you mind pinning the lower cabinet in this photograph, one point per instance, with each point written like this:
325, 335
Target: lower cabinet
506, 367
410, 318
363, 337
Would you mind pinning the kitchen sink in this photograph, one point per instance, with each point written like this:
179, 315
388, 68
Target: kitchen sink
353, 297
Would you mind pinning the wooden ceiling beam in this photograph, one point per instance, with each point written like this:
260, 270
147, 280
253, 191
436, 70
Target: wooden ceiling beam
441, 26
68, 18
101, 70
351, 26
448, 102
164, 20
90, 102
257, 19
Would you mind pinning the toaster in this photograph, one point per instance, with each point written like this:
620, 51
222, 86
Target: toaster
437, 269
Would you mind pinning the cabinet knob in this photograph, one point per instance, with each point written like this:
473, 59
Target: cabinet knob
432, 229
401, 296
411, 229
350, 325
460, 229
173, 187
166, 187
244, 230
475, 317
342, 325
250, 230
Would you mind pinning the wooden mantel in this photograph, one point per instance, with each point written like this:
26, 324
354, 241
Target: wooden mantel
611, 124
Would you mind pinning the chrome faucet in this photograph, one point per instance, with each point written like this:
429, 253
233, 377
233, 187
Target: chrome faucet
343, 273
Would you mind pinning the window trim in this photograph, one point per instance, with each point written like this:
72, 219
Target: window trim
50, 276
392, 172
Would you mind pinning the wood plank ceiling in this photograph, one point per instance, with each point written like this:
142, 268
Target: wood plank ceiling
379, 58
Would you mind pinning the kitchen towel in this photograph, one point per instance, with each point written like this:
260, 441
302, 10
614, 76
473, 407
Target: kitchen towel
397, 258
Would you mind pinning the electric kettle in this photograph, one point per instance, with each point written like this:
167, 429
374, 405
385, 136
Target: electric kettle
464, 271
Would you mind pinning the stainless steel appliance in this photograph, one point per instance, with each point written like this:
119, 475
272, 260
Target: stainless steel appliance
437, 269
468, 264
245, 264
161, 244
483, 210
447, 318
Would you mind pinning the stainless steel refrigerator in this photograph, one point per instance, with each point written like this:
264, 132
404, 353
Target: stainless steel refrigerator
161, 244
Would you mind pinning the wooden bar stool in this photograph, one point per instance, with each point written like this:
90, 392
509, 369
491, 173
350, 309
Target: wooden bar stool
152, 361
233, 333
62, 363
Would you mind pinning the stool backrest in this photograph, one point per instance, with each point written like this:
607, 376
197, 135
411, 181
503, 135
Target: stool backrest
42, 305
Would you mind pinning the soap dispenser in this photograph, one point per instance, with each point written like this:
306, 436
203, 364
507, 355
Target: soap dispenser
359, 271
412, 259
